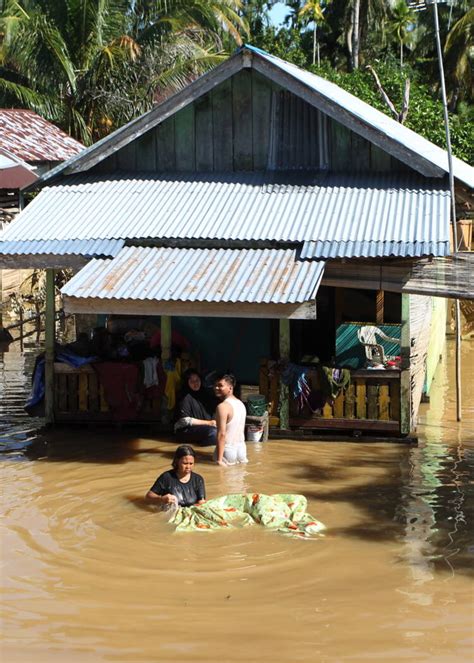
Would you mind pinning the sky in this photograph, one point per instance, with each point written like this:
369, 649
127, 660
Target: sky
278, 13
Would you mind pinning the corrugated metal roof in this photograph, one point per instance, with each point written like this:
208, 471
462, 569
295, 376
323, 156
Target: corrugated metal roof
31, 138
368, 115
361, 249
200, 275
339, 209
81, 247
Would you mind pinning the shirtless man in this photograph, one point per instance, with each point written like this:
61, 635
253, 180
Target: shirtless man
230, 422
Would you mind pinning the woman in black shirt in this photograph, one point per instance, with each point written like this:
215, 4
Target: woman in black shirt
179, 486
195, 422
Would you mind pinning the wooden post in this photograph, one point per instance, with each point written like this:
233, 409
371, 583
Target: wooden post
165, 338
379, 307
165, 356
49, 348
284, 405
405, 374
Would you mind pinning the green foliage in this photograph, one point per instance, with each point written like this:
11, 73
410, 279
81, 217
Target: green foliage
425, 115
90, 66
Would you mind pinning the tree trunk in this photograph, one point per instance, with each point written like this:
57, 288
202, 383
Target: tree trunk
314, 42
355, 34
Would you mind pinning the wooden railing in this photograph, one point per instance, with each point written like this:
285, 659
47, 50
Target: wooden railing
79, 397
370, 402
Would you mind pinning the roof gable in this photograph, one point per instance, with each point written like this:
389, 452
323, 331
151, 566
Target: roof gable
359, 117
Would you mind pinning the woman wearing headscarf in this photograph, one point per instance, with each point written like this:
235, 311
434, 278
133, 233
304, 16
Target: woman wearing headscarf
194, 412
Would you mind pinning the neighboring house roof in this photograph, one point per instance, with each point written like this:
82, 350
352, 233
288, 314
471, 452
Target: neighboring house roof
14, 173
358, 116
260, 276
31, 138
336, 215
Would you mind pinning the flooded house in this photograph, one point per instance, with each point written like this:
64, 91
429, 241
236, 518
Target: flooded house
276, 223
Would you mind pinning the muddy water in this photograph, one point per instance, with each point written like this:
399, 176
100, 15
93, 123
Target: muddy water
91, 574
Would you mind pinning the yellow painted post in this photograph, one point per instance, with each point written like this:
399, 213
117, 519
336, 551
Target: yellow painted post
49, 348
165, 338
165, 356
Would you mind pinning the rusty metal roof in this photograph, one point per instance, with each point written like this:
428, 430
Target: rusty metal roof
199, 275
31, 138
349, 216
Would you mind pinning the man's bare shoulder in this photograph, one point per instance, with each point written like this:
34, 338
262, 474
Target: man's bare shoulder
223, 407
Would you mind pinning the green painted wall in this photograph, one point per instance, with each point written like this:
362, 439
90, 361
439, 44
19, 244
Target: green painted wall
237, 344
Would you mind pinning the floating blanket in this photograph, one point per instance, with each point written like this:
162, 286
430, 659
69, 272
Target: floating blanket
283, 513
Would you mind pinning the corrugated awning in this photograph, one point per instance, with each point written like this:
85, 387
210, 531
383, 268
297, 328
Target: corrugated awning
55, 254
337, 216
268, 283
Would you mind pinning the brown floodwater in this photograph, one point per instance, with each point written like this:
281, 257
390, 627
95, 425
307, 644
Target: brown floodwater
91, 574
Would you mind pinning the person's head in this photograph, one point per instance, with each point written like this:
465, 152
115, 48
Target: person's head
192, 380
224, 385
183, 459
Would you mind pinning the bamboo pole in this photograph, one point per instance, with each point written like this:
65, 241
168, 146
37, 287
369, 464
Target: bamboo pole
453, 205
49, 348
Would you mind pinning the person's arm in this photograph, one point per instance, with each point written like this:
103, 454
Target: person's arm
154, 498
222, 414
203, 422
185, 413
200, 490
160, 493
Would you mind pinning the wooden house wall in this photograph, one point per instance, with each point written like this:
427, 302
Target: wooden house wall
248, 123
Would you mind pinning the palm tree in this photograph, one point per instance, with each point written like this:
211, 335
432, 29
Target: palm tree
402, 23
313, 11
81, 63
459, 55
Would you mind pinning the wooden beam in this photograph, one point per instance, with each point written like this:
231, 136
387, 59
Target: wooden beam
284, 404
50, 338
379, 306
305, 311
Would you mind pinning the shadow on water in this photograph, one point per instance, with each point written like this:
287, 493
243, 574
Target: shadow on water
421, 497
108, 448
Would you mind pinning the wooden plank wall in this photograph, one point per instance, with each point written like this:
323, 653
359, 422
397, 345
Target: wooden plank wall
350, 152
233, 127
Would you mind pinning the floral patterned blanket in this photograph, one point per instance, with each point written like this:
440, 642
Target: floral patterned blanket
282, 513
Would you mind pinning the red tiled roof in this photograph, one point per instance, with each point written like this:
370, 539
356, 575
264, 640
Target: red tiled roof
31, 138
